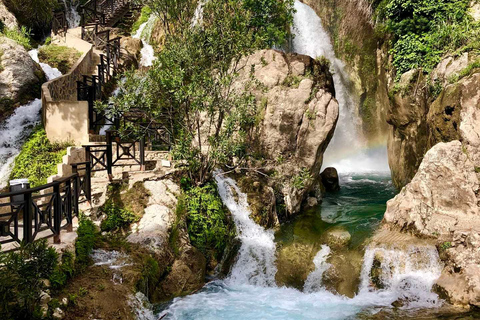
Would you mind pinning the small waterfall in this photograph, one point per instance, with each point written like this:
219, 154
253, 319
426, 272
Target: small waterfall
73, 17
143, 33
347, 150
19, 125
255, 263
314, 279
407, 274
198, 15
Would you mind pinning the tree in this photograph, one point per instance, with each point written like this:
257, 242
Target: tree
190, 89
34, 14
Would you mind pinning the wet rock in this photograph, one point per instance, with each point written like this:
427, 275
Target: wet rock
330, 179
343, 276
294, 264
20, 76
261, 199
186, 276
337, 238
312, 202
131, 49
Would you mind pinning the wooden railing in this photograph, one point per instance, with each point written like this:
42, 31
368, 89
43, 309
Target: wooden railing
59, 23
41, 212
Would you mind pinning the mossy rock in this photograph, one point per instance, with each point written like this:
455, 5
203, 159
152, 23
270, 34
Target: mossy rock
343, 276
295, 263
60, 57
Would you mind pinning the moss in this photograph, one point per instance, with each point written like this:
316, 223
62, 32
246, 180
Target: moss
467, 71
60, 57
144, 16
292, 81
38, 158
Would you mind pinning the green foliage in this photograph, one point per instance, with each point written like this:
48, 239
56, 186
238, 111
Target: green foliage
207, 222
117, 217
144, 16
60, 57
85, 243
38, 158
63, 272
198, 83
301, 179
36, 15
21, 36
426, 30
446, 245
150, 276
21, 279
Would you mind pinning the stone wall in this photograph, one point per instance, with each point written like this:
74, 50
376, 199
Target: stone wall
65, 118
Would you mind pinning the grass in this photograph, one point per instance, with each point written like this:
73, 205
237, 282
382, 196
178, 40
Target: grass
21, 36
38, 158
60, 57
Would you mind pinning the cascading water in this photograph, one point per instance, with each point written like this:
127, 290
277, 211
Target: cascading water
73, 17
143, 33
256, 259
348, 149
18, 126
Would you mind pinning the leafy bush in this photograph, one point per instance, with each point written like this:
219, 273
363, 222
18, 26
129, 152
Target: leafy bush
64, 271
426, 30
301, 179
38, 158
87, 237
21, 36
21, 279
207, 222
117, 217
150, 276
60, 57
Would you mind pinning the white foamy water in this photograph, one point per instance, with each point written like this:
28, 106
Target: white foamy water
348, 149
113, 259
255, 263
406, 274
314, 279
19, 125
143, 33
50, 73
73, 17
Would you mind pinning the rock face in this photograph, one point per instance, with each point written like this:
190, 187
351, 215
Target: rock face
297, 117
443, 199
131, 49
20, 76
419, 122
153, 231
7, 18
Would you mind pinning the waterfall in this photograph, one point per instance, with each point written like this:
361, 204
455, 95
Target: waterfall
407, 274
19, 125
314, 279
255, 263
144, 33
348, 149
73, 17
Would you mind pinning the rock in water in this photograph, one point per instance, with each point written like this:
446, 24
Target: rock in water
297, 115
330, 179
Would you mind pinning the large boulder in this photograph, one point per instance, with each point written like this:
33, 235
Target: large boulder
7, 18
297, 117
441, 197
20, 76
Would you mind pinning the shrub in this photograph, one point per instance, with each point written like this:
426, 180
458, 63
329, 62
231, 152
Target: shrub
87, 237
21, 36
301, 179
38, 158
60, 57
21, 279
117, 217
150, 276
207, 222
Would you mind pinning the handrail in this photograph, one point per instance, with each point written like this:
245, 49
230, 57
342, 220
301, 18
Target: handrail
39, 188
